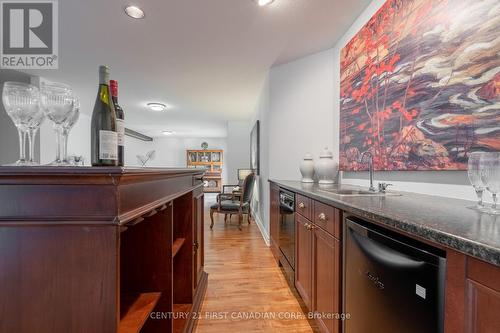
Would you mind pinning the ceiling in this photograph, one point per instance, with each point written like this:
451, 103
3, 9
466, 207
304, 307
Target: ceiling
206, 59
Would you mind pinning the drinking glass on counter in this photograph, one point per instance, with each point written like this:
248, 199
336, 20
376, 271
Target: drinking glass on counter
21, 101
490, 176
33, 126
474, 172
66, 128
58, 104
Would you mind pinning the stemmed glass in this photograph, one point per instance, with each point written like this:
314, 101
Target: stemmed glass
66, 128
491, 177
33, 126
21, 101
474, 172
57, 103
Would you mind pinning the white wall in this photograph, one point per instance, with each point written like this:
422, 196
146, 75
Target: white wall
237, 155
260, 202
300, 113
170, 152
295, 108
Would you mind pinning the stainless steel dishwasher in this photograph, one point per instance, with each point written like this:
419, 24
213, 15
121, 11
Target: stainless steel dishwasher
392, 284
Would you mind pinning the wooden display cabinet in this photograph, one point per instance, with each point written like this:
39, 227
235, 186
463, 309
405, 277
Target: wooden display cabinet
212, 161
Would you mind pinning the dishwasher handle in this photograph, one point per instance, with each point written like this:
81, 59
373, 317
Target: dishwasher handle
382, 253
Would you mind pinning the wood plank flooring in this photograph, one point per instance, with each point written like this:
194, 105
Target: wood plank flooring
245, 281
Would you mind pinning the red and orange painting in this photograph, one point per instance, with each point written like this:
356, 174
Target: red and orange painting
420, 86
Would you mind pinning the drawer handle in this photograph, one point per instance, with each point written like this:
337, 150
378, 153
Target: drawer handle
307, 226
322, 217
302, 205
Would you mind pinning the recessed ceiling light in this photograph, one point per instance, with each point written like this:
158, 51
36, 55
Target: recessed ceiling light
263, 3
134, 12
168, 132
157, 106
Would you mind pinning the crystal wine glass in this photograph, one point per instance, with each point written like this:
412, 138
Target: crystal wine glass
66, 128
34, 124
474, 170
491, 178
21, 101
57, 102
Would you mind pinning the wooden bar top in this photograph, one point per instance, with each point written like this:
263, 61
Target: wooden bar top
89, 195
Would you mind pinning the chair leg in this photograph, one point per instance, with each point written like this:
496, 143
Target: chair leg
249, 216
225, 218
212, 219
240, 219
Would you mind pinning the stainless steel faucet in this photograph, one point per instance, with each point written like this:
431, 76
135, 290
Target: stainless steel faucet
370, 166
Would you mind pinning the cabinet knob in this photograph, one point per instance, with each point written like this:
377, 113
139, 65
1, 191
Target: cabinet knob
322, 217
309, 226
302, 205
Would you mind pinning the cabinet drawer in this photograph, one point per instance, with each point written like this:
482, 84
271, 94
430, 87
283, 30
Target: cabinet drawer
327, 218
303, 206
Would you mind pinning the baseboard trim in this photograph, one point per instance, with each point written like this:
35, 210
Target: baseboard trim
263, 231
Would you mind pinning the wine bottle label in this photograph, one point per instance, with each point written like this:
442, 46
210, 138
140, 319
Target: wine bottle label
108, 145
120, 130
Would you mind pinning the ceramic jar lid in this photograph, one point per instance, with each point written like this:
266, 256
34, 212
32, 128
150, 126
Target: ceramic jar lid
308, 157
326, 153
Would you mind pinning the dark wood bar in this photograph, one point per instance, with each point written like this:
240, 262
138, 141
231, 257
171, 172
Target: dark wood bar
100, 249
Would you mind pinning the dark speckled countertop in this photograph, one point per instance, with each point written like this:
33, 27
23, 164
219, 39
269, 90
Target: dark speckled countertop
441, 220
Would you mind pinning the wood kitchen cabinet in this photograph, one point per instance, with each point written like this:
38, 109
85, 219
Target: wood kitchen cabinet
472, 286
472, 295
303, 259
482, 297
318, 258
326, 280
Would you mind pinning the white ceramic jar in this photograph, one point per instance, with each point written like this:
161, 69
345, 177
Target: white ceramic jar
307, 169
326, 168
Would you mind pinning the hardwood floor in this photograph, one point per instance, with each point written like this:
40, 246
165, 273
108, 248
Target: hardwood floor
244, 281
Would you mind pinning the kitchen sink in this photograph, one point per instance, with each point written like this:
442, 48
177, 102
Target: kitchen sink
356, 192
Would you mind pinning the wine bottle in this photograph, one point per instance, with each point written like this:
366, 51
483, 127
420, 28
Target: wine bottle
104, 149
120, 122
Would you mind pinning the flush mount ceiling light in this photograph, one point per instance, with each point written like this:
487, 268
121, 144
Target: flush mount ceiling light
168, 132
263, 3
134, 12
157, 106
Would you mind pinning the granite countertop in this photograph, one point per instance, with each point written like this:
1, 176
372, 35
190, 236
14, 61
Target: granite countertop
441, 220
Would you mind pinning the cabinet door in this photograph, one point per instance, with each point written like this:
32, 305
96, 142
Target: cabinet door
198, 243
326, 280
303, 259
482, 293
274, 220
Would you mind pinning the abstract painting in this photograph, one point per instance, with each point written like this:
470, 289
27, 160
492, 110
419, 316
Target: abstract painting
420, 86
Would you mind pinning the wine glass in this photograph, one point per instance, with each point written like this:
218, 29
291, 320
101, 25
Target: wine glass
491, 178
21, 101
474, 170
34, 124
57, 103
66, 128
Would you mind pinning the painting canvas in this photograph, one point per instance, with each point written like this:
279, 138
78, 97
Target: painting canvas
255, 148
420, 85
